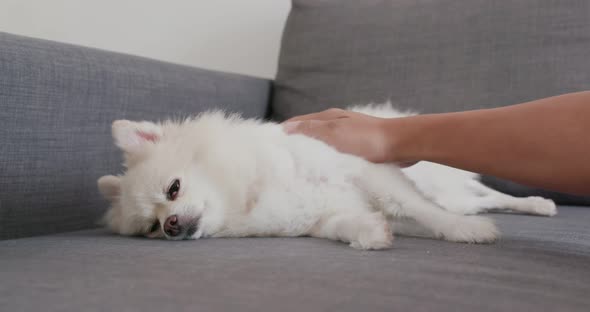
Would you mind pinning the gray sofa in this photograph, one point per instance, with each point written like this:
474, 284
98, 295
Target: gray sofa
57, 103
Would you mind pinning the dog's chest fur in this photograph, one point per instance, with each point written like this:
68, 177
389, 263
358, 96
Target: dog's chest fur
293, 191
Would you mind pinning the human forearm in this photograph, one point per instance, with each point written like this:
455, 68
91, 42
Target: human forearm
543, 143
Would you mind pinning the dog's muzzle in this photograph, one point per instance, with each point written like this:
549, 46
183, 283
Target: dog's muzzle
177, 227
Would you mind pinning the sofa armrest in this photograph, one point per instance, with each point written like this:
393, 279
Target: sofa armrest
57, 103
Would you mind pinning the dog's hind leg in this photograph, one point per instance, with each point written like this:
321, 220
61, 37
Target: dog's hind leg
393, 193
481, 198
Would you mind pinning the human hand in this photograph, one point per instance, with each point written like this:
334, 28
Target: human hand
349, 132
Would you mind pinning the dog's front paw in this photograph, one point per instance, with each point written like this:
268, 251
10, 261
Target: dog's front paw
471, 229
374, 233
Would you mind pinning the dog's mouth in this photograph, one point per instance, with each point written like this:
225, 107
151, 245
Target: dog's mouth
192, 230
186, 229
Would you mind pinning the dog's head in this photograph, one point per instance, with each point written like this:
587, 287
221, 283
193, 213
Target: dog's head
166, 190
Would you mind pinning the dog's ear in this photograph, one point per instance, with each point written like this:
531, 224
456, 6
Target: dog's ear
134, 137
110, 187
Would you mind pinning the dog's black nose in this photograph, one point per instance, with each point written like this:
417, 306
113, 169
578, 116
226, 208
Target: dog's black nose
180, 227
171, 227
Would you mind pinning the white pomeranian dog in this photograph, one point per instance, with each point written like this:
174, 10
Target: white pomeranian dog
219, 175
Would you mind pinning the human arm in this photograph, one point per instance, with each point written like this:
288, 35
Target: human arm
543, 143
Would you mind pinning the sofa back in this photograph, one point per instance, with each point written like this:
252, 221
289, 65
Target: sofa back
430, 56
57, 103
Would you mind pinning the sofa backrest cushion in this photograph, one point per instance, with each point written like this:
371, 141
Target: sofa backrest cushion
57, 103
430, 56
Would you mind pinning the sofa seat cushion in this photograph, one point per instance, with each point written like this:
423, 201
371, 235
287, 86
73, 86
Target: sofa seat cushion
541, 264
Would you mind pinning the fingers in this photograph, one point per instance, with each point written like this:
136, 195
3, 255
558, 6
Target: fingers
332, 113
406, 164
306, 127
291, 126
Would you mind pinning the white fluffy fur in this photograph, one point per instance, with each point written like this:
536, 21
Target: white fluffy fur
248, 178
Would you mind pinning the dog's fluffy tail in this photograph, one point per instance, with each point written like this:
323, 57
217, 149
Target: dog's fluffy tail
383, 110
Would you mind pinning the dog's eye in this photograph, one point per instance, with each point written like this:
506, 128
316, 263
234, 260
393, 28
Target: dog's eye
172, 192
155, 226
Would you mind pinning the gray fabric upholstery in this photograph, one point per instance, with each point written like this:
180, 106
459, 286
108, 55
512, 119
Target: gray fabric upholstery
433, 56
520, 190
57, 104
541, 264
